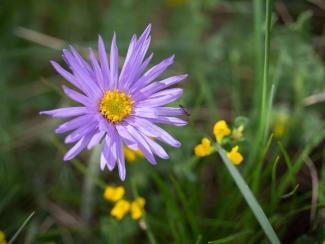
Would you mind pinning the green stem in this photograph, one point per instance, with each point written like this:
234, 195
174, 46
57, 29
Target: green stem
148, 230
250, 199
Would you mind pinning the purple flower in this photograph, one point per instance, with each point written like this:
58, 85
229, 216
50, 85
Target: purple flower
118, 107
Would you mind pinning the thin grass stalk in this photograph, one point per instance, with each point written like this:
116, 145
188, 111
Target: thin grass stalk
250, 199
87, 205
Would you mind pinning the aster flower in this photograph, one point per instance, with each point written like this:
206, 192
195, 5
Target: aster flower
118, 107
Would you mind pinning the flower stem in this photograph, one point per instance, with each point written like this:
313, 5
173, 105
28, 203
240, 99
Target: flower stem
250, 199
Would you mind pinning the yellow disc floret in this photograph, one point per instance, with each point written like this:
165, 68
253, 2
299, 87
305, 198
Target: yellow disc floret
115, 106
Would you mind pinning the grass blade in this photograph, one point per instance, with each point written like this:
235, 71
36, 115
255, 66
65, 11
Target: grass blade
250, 199
20, 229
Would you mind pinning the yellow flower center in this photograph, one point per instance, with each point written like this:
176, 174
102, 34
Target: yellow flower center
115, 106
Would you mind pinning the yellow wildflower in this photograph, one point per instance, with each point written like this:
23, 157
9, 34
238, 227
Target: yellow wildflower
203, 149
137, 208
114, 194
237, 133
131, 155
235, 156
220, 130
2, 238
120, 209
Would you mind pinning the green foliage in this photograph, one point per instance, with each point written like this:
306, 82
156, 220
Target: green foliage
188, 199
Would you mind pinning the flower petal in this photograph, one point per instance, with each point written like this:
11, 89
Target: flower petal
66, 112
103, 62
114, 64
77, 148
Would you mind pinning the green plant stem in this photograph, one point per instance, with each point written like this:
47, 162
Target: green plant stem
87, 205
148, 231
250, 199
20, 228
256, 159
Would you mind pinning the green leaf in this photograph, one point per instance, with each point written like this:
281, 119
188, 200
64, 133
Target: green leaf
250, 199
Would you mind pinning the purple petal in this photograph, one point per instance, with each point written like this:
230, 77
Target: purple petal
80, 60
113, 64
77, 148
157, 86
76, 96
156, 148
120, 159
98, 73
81, 131
161, 98
162, 134
66, 112
103, 62
144, 126
73, 124
152, 73
82, 75
95, 140
107, 158
143, 145
169, 120
127, 138
68, 76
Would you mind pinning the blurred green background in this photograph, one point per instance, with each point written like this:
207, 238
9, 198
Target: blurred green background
188, 200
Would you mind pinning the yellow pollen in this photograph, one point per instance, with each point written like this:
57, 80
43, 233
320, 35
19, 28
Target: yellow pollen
115, 106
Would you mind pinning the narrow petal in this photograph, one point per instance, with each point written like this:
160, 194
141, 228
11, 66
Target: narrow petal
82, 75
81, 131
107, 158
68, 76
81, 60
113, 64
152, 73
76, 96
156, 148
77, 148
127, 138
162, 134
95, 140
157, 86
112, 153
120, 159
169, 120
103, 61
161, 98
144, 126
143, 145
98, 73
66, 112
73, 124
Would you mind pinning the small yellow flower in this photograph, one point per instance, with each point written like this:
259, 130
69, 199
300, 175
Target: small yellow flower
280, 124
137, 208
235, 156
2, 238
120, 209
237, 133
114, 194
203, 149
220, 130
131, 155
